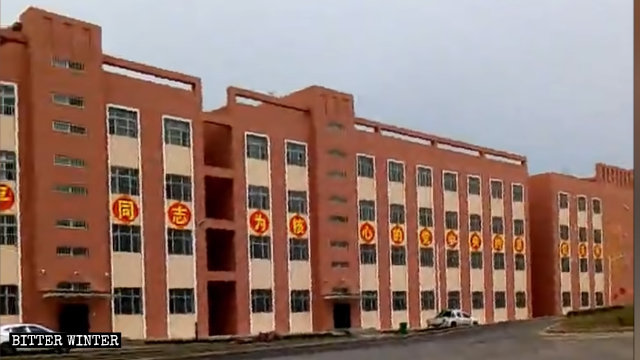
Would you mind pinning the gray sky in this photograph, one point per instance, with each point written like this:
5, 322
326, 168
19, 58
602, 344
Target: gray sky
549, 79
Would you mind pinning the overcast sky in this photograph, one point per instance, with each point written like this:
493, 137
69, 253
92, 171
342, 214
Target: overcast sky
549, 79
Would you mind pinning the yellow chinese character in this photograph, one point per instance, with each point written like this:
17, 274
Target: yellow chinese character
396, 235
179, 215
298, 226
366, 232
126, 210
475, 242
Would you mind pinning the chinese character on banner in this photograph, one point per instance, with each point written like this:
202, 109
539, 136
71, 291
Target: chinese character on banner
179, 215
597, 251
397, 235
7, 197
259, 222
582, 250
426, 238
564, 248
475, 242
518, 245
125, 209
298, 226
452, 239
498, 243
367, 232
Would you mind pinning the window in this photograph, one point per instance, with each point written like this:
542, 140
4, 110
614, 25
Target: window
181, 301
337, 174
564, 232
477, 300
566, 299
340, 244
453, 258
125, 238
582, 234
68, 100
178, 187
473, 185
260, 247
122, 122
599, 298
399, 300
8, 166
258, 197
74, 286
338, 219
520, 262
335, 125
451, 220
72, 251
177, 132
125, 181
67, 64
496, 189
476, 260
584, 299
598, 265
365, 166
396, 213
450, 181
261, 301
498, 261
368, 254
71, 224
518, 227
428, 300
127, 301
563, 201
338, 199
300, 300
340, 264
369, 301
398, 255
9, 300
367, 210
396, 172
296, 154
500, 300
453, 300
425, 217
297, 202
497, 225
257, 147
424, 177
475, 222
597, 236
596, 206
298, 249
8, 230
565, 264
521, 299
70, 189
582, 203
179, 242
337, 153
62, 160
584, 265
426, 257
517, 193
68, 128
7, 99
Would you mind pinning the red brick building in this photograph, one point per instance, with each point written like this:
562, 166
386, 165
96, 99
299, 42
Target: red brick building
581, 240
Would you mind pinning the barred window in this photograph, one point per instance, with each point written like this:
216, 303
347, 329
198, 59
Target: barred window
127, 301
521, 299
477, 300
177, 132
178, 187
125, 238
565, 264
72, 251
424, 177
181, 301
584, 299
260, 247
563, 201
365, 166
399, 300
368, 254
475, 222
582, 203
297, 202
125, 181
179, 241
7, 99
582, 234
300, 301
367, 210
8, 166
9, 300
476, 260
396, 172
453, 300
564, 232
496, 189
70, 189
596, 206
258, 197
498, 261
428, 300
369, 300
517, 193
451, 220
520, 262
500, 299
425, 217
296, 154
67, 64
63, 160
257, 147
396, 213
74, 224
599, 298
122, 122
298, 249
450, 181
597, 236
497, 225
398, 255
597, 264
566, 299
68, 128
426, 257
453, 258
584, 265
261, 301
68, 100
473, 185
518, 227
8, 230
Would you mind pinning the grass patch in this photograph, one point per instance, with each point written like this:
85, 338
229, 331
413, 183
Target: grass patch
613, 319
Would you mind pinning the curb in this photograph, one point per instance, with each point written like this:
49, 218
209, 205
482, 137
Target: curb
551, 331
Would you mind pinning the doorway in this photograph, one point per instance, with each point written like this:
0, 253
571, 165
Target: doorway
342, 316
73, 318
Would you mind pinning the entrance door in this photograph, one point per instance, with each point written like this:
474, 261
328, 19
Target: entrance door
74, 318
341, 316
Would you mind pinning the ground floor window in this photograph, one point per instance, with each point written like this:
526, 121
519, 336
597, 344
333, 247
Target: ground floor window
9, 300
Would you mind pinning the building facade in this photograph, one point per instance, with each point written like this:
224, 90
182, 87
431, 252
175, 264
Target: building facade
582, 241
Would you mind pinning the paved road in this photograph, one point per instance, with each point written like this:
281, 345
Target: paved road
515, 340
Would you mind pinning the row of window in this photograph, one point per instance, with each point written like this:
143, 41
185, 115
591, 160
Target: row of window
565, 265
262, 301
584, 298
127, 238
563, 231
127, 181
260, 248
7, 99
128, 301
8, 230
563, 203
257, 147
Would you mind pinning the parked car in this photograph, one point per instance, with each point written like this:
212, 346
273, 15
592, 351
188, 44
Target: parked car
451, 318
7, 349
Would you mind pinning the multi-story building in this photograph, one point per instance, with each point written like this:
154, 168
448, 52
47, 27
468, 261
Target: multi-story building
581, 240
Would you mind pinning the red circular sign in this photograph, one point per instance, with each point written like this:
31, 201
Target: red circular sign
397, 234
259, 222
597, 251
426, 238
475, 242
298, 225
125, 209
582, 250
564, 248
179, 215
452, 239
518, 245
367, 232
498, 243
7, 197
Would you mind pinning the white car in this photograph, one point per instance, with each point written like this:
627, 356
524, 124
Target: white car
451, 318
5, 330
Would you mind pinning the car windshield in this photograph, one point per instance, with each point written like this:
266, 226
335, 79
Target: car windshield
444, 313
